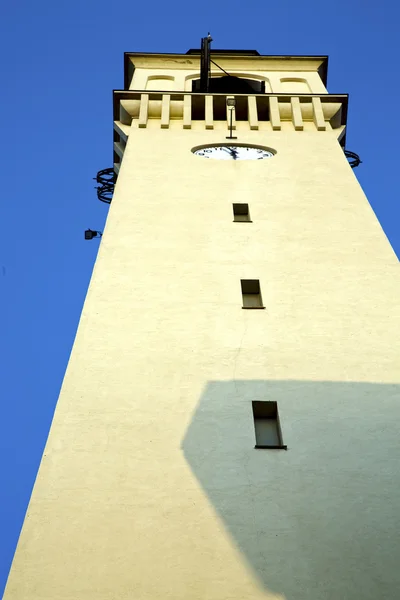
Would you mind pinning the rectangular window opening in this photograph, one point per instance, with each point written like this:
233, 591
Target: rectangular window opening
251, 293
198, 108
241, 213
241, 108
267, 427
219, 108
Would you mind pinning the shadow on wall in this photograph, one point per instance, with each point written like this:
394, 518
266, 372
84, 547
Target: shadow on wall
320, 520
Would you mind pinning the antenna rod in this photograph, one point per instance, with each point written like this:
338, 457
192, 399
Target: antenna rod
205, 63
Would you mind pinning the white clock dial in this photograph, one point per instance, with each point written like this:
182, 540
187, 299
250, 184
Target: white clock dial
230, 152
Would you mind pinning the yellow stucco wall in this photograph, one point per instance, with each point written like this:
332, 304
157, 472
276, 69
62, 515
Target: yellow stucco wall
185, 68
150, 487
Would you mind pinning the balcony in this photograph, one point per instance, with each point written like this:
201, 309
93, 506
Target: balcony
321, 109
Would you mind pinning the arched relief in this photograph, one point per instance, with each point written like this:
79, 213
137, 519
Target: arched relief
188, 81
160, 83
268, 88
251, 76
295, 85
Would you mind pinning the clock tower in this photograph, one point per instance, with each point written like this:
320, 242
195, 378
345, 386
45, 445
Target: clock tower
228, 423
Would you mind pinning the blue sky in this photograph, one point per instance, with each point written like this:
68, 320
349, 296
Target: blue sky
60, 61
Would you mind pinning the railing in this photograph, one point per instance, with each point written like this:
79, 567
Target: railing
320, 109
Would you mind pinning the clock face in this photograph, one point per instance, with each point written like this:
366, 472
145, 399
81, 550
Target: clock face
230, 152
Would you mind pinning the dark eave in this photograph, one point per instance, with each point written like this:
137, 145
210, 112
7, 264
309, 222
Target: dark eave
237, 52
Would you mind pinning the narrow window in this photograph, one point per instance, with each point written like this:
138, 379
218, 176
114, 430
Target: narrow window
251, 293
267, 426
241, 213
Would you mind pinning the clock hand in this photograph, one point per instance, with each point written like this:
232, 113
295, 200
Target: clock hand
230, 151
226, 149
